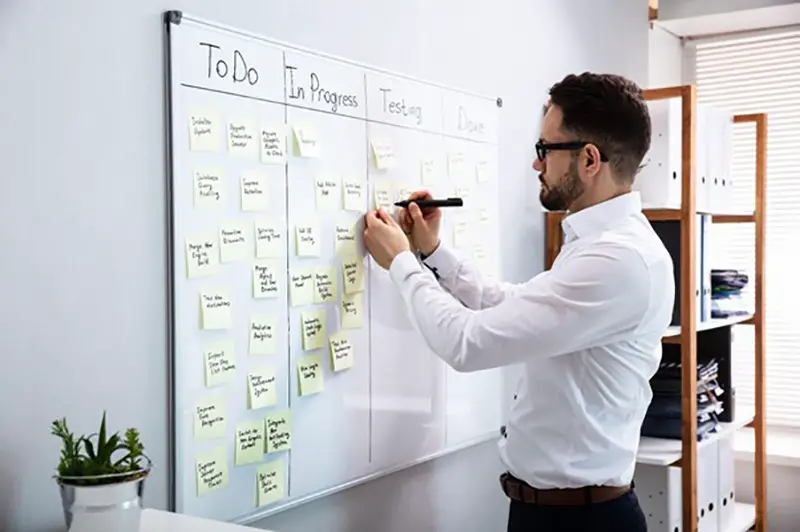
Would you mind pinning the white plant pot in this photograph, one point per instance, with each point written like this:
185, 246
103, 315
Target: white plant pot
107, 507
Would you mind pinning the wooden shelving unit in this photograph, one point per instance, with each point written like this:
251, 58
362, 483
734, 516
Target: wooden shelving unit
671, 452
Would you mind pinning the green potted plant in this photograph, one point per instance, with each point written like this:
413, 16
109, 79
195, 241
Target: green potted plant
101, 478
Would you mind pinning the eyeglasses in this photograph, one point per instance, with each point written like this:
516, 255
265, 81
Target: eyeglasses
543, 147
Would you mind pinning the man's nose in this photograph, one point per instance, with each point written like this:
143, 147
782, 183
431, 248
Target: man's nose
538, 165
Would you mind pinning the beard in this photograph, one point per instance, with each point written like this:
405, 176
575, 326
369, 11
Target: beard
559, 196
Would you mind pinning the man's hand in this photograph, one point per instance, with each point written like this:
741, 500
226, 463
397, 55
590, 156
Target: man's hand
384, 238
422, 224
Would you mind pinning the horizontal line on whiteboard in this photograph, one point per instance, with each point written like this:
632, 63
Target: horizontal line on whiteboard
325, 55
368, 120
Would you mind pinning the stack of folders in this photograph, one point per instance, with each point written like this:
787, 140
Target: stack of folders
726, 293
663, 418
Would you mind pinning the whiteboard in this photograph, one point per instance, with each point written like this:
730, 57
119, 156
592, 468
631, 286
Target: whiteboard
296, 371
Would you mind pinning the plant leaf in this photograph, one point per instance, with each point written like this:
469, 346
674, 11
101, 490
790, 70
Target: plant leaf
87, 443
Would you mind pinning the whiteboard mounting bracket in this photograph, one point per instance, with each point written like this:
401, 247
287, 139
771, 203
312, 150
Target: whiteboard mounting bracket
174, 16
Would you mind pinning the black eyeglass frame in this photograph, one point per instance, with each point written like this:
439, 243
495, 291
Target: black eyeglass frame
543, 147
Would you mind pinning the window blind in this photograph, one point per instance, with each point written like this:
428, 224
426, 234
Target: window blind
761, 74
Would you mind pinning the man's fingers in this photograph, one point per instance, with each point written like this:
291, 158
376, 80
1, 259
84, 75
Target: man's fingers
420, 195
416, 213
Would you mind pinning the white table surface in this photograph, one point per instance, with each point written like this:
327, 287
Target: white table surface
161, 521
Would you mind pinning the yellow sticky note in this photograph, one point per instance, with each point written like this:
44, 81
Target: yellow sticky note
383, 197
272, 145
234, 241
353, 276
262, 335
279, 431
305, 141
261, 388
204, 131
254, 192
249, 442
270, 482
220, 363
242, 140
427, 169
341, 351
209, 187
382, 153
301, 287
345, 240
309, 374
325, 287
307, 241
210, 418
460, 234
269, 239
404, 192
265, 280
328, 194
313, 328
211, 466
202, 255
353, 195
456, 165
352, 311
215, 310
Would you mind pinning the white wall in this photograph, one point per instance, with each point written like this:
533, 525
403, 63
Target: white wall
81, 130
664, 59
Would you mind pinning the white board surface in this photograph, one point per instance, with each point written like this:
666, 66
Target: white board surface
275, 154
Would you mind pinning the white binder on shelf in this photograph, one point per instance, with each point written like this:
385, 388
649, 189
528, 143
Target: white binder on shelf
704, 266
703, 160
659, 181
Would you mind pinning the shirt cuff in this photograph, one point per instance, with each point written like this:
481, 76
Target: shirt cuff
402, 266
442, 262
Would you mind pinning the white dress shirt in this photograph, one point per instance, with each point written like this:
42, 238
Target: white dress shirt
587, 334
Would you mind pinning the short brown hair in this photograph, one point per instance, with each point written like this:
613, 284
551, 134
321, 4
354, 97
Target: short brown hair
609, 111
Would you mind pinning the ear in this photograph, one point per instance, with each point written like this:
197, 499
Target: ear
591, 159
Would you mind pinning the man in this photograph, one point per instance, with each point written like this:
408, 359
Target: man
587, 332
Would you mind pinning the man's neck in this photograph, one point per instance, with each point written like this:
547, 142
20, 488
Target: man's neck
585, 201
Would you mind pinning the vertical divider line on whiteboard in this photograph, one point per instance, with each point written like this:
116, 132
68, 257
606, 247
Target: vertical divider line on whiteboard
368, 269
288, 137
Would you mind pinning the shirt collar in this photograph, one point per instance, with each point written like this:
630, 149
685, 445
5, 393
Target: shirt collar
598, 217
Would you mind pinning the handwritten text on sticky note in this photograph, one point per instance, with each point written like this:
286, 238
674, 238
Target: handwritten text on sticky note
262, 335
249, 442
279, 431
215, 309
341, 351
312, 324
261, 388
211, 468
270, 482
265, 280
220, 362
301, 288
202, 255
309, 373
210, 418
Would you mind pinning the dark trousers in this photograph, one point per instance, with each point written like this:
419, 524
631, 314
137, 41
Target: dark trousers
622, 514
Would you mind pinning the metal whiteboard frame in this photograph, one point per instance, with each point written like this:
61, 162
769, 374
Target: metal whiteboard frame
176, 17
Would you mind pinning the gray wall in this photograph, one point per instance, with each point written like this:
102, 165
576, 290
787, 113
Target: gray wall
82, 213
